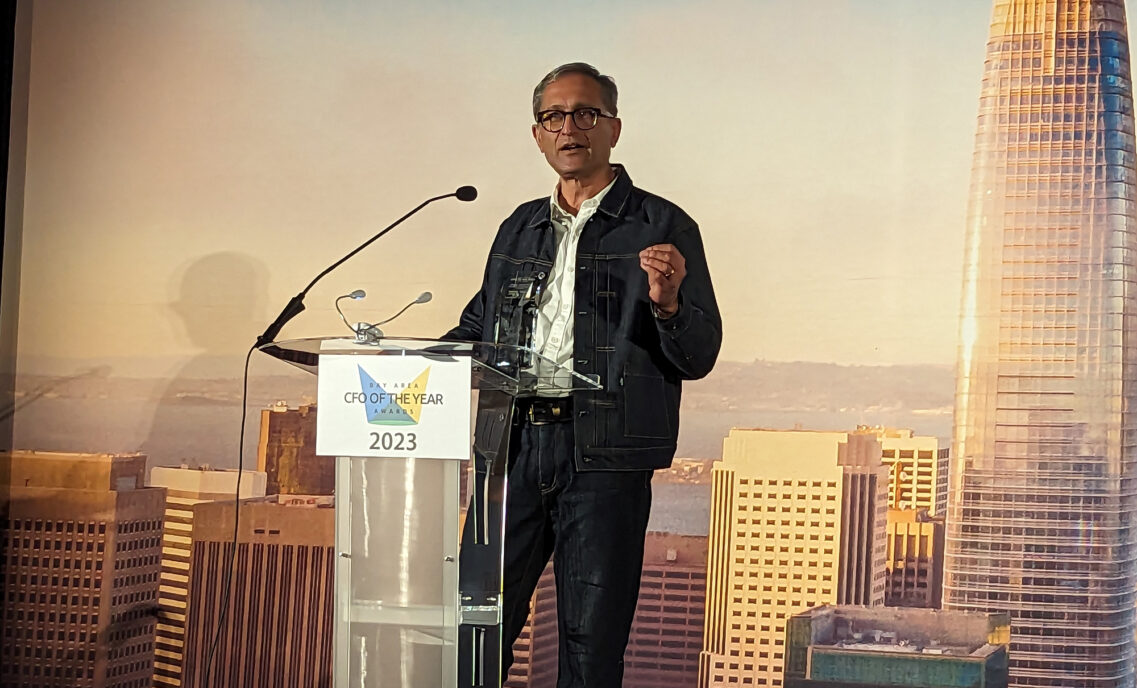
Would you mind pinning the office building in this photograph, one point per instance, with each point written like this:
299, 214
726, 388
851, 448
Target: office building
1043, 499
857, 647
184, 488
798, 519
918, 469
917, 500
278, 627
915, 559
81, 557
286, 452
667, 630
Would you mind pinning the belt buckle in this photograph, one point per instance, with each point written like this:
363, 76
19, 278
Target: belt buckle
551, 414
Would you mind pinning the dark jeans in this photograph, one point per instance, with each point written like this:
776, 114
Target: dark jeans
595, 524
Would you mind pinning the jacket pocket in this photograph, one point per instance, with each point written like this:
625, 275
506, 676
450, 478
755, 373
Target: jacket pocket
645, 407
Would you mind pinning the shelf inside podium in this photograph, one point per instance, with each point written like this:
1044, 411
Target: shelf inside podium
423, 617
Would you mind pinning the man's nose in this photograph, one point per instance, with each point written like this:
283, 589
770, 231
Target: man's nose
570, 125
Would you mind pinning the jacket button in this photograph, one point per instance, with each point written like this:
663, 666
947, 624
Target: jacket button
588, 459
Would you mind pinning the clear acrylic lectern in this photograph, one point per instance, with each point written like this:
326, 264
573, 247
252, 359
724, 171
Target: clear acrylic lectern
419, 573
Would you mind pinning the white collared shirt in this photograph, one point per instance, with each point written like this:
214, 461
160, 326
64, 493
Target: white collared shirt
553, 337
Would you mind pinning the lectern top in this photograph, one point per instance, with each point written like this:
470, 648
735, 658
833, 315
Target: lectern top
504, 367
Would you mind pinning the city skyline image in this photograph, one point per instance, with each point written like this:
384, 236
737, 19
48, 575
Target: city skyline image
914, 464
1043, 497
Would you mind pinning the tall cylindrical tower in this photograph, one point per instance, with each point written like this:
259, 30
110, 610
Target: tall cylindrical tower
1043, 498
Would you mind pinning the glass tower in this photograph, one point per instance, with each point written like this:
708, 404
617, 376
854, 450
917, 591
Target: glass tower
1043, 493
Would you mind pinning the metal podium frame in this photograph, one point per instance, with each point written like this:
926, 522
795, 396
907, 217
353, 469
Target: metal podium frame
417, 590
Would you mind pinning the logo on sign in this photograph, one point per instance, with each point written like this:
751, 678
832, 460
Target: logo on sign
393, 403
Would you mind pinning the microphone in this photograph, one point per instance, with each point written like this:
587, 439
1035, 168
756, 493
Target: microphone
356, 295
424, 297
296, 304
367, 333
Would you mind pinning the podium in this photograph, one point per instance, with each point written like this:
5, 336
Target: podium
418, 575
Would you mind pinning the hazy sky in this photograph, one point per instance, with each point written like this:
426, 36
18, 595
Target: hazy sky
192, 165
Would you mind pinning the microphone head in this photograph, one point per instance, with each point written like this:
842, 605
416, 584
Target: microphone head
466, 193
424, 297
357, 294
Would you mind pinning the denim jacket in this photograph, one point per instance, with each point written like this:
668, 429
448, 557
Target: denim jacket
641, 361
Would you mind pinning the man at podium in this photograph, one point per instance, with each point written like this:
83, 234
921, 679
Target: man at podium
622, 293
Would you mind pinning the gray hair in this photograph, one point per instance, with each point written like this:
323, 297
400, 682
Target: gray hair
607, 85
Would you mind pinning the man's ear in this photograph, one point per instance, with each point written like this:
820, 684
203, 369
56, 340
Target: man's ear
616, 126
537, 136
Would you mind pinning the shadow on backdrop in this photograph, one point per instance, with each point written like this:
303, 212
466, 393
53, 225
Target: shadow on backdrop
216, 303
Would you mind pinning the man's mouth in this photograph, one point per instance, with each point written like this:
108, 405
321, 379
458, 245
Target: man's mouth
573, 146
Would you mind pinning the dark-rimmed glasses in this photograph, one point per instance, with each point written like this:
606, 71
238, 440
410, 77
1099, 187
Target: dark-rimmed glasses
584, 118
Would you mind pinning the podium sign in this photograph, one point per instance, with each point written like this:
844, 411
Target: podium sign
393, 407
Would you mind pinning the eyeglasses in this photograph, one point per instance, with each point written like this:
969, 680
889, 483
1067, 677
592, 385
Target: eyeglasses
584, 118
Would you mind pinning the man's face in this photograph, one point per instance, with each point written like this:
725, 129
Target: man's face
574, 152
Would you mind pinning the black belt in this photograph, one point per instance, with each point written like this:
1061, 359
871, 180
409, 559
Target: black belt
543, 410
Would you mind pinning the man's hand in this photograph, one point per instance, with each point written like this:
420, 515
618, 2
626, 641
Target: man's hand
665, 268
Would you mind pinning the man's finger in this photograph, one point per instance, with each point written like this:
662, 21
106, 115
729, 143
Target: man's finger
663, 248
654, 273
666, 271
667, 274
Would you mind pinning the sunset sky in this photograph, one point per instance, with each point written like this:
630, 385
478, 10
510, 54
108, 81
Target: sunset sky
192, 165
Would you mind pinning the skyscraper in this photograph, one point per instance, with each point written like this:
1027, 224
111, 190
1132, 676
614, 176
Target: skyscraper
79, 570
286, 452
915, 559
184, 488
797, 520
667, 631
918, 468
1043, 495
917, 489
278, 630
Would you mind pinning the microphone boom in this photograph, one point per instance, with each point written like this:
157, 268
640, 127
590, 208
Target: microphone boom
296, 304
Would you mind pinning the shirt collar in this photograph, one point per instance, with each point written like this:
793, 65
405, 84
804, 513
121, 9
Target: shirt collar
612, 203
556, 210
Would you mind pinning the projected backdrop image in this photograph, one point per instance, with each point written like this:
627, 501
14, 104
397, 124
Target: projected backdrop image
919, 222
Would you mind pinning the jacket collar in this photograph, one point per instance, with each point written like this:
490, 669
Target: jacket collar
612, 205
